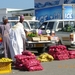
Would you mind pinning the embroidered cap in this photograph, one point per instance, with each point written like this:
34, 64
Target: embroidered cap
22, 16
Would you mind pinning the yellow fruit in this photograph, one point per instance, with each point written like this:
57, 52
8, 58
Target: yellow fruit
5, 60
44, 60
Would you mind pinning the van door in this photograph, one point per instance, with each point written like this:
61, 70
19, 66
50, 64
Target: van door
64, 35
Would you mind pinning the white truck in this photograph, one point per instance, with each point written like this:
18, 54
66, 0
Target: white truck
64, 30
29, 25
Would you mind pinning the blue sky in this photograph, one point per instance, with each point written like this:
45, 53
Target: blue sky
20, 4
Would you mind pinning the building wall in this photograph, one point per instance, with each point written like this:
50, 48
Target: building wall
4, 12
54, 9
16, 12
25, 13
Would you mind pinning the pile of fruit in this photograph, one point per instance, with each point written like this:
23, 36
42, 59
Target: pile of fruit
45, 57
5, 60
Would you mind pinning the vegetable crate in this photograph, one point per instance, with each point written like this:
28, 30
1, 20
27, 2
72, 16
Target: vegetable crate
5, 67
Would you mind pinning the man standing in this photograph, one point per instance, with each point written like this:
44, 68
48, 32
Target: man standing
21, 19
4, 31
17, 36
22, 22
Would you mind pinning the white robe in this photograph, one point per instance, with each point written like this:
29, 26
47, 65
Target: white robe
17, 35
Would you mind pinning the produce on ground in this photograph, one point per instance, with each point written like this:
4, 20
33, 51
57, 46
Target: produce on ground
45, 57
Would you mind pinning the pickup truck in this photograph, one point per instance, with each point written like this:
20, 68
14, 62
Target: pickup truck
64, 30
29, 25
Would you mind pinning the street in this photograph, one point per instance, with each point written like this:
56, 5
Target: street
64, 67
56, 67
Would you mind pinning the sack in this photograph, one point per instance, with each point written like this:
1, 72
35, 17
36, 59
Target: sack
71, 54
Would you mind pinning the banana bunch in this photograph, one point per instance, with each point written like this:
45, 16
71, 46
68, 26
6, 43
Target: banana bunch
45, 57
5, 60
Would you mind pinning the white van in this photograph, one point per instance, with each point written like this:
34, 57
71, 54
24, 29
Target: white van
56, 24
63, 29
28, 24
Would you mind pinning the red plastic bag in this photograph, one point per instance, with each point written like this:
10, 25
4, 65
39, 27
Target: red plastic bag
26, 52
36, 68
31, 62
71, 54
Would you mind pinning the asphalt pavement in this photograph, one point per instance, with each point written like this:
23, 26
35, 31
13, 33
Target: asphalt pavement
55, 67
63, 67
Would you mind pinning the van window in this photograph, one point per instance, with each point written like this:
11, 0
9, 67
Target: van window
50, 25
68, 26
72, 23
66, 22
26, 25
43, 25
34, 25
60, 25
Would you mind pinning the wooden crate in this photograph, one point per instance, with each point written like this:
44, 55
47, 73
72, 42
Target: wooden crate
43, 38
35, 38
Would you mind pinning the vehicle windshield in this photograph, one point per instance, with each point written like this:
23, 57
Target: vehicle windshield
50, 25
47, 25
34, 25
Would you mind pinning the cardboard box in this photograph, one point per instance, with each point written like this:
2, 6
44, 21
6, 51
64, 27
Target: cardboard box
35, 38
43, 38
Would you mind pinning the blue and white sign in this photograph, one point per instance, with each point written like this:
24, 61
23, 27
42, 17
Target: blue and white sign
54, 9
68, 12
49, 13
46, 3
50, 3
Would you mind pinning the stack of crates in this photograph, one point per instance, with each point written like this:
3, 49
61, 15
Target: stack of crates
5, 65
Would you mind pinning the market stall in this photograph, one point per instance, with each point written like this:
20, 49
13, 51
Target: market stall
37, 40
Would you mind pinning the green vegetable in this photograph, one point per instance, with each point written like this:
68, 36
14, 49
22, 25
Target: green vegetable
32, 35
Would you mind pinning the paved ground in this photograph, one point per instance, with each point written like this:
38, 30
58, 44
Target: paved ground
63, 67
